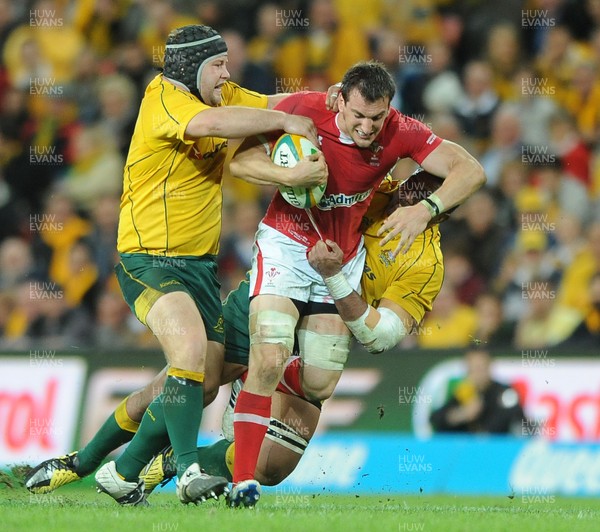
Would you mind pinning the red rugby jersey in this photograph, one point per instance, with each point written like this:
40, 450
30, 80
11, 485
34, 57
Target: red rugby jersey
354, 173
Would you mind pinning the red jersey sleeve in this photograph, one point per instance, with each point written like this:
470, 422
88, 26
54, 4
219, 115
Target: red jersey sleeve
416, 139
288, 105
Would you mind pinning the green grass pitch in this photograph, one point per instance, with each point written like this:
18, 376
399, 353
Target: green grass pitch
79, 508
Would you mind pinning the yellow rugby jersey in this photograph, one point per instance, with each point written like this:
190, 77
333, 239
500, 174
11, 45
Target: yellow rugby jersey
412, 281
171, 202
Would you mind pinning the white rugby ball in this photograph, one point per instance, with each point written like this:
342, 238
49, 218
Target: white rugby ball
288, 150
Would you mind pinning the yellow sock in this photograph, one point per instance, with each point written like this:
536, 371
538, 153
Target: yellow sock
123, 419
229, 457
197, 376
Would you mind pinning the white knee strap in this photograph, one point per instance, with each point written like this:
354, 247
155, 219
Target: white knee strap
273, 327
386, 334
325, 351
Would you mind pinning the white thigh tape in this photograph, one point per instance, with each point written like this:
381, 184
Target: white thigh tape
325, 351
273, 327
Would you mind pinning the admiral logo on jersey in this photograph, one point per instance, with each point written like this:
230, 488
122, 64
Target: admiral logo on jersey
331, 201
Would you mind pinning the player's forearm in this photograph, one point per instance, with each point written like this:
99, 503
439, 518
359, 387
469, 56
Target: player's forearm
463, 174
465, 178
376, 330
353, 306
274, 99
350, 305
255, 166
234, 122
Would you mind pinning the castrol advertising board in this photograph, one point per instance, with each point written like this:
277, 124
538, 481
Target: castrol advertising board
40, 400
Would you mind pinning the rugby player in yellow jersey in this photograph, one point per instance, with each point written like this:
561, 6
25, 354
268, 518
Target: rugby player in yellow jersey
401, 288
168, 237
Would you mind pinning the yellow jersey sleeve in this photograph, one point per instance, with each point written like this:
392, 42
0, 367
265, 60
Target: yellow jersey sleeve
233, 94
167, 110
171, 202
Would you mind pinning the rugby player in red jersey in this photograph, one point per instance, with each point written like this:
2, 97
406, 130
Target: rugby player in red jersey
361, 143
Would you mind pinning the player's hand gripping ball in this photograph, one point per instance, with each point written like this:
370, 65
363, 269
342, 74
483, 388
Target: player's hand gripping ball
287, 152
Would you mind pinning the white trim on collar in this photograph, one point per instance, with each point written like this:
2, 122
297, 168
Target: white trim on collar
344, 138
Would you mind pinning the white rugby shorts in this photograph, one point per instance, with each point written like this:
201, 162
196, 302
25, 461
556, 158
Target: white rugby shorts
280, 267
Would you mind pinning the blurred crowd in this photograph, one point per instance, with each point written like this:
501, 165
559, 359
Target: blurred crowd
515, 82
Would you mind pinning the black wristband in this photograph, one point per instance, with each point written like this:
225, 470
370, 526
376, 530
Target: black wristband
433, 205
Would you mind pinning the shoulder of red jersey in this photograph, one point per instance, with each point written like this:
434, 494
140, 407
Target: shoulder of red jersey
414, 138
408, 124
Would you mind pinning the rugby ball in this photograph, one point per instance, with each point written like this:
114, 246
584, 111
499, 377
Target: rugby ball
288, 150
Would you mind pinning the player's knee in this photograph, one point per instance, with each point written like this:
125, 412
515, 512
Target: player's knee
267, 363
271, 342
319, 389
194, 345
285, 448
187, 352
272, 475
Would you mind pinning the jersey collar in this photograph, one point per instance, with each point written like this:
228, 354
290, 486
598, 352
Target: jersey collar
344, 139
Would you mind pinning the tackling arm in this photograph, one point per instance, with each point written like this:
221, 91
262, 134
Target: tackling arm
238, 121
251, 162
463, 175
274, 99
376, 329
